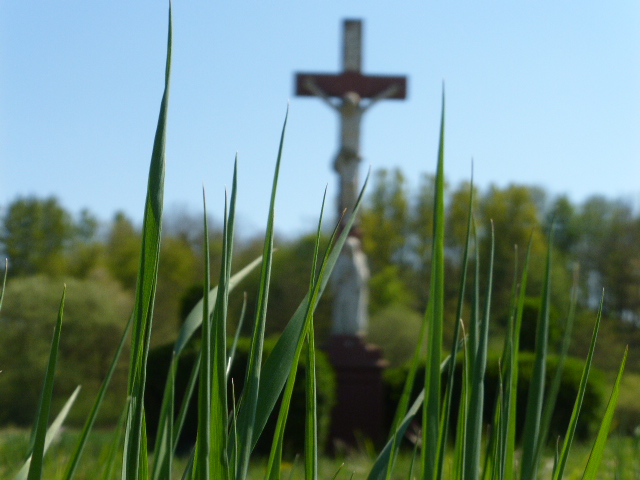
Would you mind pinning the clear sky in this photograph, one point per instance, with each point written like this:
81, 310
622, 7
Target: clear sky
539, 93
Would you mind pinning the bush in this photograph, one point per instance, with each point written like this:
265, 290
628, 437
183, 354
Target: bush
94, 317
158, 366
592, 406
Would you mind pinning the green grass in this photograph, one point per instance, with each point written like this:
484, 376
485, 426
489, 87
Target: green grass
229, 426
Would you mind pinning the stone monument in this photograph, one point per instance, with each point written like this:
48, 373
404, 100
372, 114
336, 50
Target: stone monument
358, 365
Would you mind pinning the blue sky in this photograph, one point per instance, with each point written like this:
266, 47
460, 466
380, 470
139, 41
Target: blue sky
537, 93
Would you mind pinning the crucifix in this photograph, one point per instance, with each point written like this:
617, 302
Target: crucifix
350, 94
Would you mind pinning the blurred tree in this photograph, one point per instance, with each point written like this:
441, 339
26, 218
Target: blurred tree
385, 221
34, 236
123, 251
94, 317
516, 219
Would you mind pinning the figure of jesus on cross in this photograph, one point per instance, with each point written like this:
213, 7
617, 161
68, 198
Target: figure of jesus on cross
350, 94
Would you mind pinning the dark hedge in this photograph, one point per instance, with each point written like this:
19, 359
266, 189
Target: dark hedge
158, 366
592, 406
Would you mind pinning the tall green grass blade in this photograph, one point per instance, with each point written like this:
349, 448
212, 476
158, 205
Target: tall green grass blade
455, 344
511, 387
431, 406
202, 465
250, 393
37, 455
275, 457
284, 351
550, 400
311, 424
145, 291
508, 358
53, 430
461, 427
311, 420
568, 440
535, 401
593, 464
72, 465
476, 392
220, 412
219, 361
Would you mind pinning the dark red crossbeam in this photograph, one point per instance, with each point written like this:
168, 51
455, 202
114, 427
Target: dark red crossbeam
367, 86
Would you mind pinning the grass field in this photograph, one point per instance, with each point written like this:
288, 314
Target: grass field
621, 459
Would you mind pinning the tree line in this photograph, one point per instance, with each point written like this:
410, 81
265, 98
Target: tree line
47, 245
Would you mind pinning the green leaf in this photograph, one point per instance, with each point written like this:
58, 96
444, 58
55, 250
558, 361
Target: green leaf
566, 446
478, 368
275, 456
37, 456
597, 451
134, 463
250, 394
455, 344
431, 406
535, 401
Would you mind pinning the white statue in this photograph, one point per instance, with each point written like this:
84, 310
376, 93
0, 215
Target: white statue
350, 279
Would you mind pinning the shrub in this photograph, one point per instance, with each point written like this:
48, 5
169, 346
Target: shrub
592, 406
158, 366
94, 313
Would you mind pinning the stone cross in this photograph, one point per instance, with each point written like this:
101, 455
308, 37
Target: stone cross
351, 94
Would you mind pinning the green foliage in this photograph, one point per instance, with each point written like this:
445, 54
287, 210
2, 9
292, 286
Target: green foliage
592, 408
95, 311
397, 327
160, 358
35, 234
229, 426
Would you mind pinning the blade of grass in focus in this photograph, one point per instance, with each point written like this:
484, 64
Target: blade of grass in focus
478, 366
431, 406
40, 428
535, 401
511, 386
568, 439
550, 400
455, 344
219, 407
284, 350
275, 456
597, 451
247, 434
201, 461
134, 463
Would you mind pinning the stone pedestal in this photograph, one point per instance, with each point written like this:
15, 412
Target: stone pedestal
359, 411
